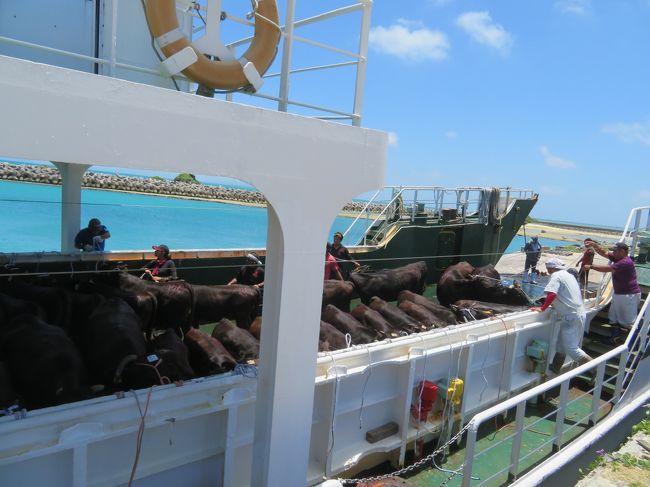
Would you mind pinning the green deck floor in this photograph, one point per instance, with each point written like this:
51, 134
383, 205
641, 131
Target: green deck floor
536, 442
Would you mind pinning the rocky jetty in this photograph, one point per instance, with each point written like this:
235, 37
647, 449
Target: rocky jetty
157, 186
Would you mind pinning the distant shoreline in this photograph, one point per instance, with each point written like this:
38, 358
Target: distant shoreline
568, 233
147, 186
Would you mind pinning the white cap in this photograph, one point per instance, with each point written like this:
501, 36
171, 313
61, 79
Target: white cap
555, 264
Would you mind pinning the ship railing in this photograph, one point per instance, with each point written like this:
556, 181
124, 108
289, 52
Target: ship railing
195, 21
637, 232
420, 204
628, 355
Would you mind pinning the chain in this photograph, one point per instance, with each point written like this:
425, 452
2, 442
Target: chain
415, 466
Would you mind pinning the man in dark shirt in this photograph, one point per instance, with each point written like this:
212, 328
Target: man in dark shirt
339, 251
92, 237
627, 294
251, 274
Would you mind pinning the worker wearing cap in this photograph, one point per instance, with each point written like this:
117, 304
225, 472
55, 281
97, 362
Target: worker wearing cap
251, 274
339, 251
563, 293
162, 268
93, 237
533, 250
627, 293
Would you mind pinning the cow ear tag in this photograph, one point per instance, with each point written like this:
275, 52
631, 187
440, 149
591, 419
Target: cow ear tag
152, 358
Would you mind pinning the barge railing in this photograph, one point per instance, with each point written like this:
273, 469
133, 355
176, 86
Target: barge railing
417, 204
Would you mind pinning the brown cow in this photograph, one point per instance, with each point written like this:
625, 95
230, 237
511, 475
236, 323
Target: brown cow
346, 323
388, 283
338, 293
395, 316
256, 327
421, 314
374, 320
330, 338
464, 281
441, 312
470, 310
238, 302
207, 355
240, 343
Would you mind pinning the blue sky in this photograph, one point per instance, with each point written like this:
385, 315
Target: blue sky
548, 95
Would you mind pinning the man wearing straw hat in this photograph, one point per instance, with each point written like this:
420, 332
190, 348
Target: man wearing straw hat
563, 293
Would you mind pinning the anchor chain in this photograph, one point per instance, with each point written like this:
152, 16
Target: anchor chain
414, 466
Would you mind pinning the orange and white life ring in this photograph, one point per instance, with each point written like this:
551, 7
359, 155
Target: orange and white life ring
224, 75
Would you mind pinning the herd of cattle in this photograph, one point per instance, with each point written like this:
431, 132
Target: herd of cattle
68, 340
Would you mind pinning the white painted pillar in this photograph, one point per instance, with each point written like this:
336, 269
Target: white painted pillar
71, 179
285, 390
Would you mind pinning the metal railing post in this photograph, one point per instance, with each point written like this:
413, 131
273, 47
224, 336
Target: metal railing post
559, 417
516, 442
470, 448
620, 376
598, 387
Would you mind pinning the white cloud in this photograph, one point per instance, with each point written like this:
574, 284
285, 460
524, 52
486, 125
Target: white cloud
392, 139
630, 132
451, 134
575, 7
482, 29
555, 161
410, 40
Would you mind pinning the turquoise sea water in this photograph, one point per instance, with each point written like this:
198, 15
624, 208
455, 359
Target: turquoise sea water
30, 220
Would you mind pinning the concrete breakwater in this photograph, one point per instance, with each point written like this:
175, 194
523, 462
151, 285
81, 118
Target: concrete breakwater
154, 186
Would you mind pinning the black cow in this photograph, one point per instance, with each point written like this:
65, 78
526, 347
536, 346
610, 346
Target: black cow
207, 355
45, 366
338, 293
464, 281
441, 312
240, 343
388, 283
346, 323
114, 347
173, 354
10, 307
238, 302
55, 302
395, 316
469, 310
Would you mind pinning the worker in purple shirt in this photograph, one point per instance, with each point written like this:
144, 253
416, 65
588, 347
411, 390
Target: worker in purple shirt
627, 293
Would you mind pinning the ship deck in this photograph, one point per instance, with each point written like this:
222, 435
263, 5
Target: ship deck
536, 444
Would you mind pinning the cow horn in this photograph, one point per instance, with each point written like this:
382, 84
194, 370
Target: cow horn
117, 379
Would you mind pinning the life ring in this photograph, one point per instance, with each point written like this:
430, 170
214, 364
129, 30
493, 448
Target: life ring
223, 75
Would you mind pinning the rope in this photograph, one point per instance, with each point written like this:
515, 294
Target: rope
162, 379
363, 391
140, 434
247, 370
